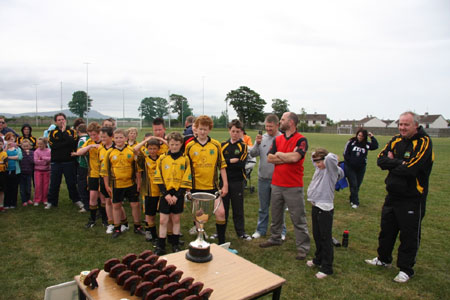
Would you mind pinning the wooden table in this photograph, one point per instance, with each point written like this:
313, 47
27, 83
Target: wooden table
229, 275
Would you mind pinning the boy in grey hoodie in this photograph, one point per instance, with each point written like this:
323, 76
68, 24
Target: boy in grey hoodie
321, 195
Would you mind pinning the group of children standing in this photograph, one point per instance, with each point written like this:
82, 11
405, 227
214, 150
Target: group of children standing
160, 170
24, 162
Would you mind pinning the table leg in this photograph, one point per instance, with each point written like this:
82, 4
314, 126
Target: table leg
276, 293
81, 295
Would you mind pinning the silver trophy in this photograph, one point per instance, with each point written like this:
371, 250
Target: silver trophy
202, 209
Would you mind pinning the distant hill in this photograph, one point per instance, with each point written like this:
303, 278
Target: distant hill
92, 114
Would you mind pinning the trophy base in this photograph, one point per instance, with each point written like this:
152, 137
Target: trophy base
199, 255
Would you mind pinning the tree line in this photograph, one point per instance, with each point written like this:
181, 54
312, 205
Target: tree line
247, 103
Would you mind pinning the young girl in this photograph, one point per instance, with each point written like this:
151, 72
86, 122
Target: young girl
321, 195
3, 167
42, 159
27, 168
132, 135
12, 177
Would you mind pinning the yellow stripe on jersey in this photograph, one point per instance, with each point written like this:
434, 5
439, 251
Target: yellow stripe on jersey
94, 161
3, 161
424, 145
173, 173
150, 169
120, 166
205, 160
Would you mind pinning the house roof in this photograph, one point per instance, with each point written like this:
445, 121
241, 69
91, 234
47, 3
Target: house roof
427, 119
313, 117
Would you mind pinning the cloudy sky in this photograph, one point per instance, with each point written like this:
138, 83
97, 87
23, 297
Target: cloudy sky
347, 59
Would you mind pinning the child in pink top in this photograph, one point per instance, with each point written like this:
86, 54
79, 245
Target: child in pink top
41, 171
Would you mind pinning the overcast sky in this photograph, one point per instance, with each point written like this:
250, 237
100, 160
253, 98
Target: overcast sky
347, 59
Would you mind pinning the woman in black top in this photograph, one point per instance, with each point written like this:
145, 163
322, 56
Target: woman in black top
355, 156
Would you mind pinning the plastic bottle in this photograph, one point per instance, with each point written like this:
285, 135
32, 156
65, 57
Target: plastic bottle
345, 239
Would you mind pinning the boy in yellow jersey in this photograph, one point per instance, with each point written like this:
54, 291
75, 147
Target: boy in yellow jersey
106, 135
122, 180
149, 190
3, 167
173, 176
90, 148
206, 159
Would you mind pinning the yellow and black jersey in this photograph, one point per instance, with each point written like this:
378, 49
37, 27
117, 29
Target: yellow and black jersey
235, 171
3, 161
32, 140
163, 149
152, 188
94, 159
101, 156
174, 171
120, 166
206, 160
410, 169
131, 144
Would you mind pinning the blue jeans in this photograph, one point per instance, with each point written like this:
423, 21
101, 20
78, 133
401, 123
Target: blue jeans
264, 191
70, 175
355, 178
25, 187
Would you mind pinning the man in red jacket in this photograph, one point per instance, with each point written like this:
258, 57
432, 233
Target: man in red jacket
287, 154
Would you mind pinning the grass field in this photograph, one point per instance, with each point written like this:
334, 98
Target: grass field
39, 248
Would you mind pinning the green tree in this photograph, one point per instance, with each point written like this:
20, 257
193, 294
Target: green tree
152, 108
220, 122
78, 104
302, 124
279, 107
248, 105
181, 107
330, 122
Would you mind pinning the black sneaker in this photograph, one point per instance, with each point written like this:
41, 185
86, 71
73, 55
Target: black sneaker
90, 224
139, 230
160, 251
176, 248
116, 234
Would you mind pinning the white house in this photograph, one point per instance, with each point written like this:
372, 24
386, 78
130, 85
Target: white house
366, 122
427, 121
314, 119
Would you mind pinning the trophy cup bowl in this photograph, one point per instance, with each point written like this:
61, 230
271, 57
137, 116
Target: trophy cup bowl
202, 209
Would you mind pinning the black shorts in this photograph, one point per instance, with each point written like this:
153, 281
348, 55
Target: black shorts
93, 183
103, 189
2, 181
130, 193
165, 208
151, 205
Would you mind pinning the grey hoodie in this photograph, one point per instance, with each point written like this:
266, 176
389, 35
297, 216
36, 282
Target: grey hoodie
321, 188
265, 169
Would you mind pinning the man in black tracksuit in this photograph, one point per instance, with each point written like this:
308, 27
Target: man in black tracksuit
409, 158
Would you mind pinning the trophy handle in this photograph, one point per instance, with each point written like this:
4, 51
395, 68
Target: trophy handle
217, 194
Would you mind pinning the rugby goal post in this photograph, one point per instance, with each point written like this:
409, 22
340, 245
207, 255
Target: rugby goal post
345, 130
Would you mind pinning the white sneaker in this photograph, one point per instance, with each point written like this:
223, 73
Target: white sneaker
401, 277
320, 275
82, 210
110, 229
283, 237
245, 237
36, 204
310, 263
79, 204
377, 262
48, 206
354, 206
256, 235
124, 228
193, 230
